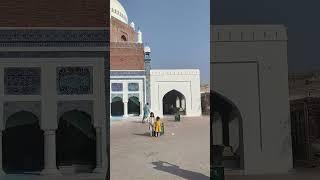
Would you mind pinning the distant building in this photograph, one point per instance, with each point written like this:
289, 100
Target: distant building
52, 97
205, 99
303, 85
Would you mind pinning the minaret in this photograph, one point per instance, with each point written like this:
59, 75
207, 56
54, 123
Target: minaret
147, 68
133, 26
139, 37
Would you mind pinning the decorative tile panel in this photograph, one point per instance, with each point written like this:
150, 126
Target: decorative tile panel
133, 87
22, 81
74, 80
117, 87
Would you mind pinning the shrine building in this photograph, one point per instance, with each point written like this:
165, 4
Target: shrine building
53, 118
134, 83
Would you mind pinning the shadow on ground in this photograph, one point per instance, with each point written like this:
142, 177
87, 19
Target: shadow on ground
139, 122
176, 170
142, 134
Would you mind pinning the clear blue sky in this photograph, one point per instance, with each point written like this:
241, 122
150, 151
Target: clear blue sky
178, 32
301, 18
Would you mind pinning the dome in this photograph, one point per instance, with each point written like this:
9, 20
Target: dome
117, 11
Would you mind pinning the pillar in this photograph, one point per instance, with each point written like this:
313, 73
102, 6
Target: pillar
147, 68
50, 167
99, 167
141, 108
125, 109
49, 122
110, 109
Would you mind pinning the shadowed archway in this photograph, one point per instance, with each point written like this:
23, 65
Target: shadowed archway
117, 108
172, 101
134, 106
226, 129
76, 140
23, 144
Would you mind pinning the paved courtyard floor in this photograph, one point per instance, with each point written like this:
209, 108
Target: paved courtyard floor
65, 177
183, 152
302, 174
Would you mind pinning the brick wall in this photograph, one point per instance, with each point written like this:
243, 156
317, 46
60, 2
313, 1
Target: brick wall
126, 58
119, 29
54, 13
125, 55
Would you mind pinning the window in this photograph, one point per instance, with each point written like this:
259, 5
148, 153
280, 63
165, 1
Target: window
123, 38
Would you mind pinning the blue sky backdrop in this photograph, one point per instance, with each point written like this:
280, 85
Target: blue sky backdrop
300, 17
178, 32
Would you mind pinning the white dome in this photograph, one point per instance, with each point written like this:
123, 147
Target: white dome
117, 11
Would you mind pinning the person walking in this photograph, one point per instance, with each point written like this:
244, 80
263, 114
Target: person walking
157, 126
151, 122
146, 112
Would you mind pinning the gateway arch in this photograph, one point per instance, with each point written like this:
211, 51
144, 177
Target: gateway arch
249, 67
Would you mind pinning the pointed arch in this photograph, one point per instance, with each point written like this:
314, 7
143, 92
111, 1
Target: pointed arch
173, 101
117, 106
23, 141
226, 128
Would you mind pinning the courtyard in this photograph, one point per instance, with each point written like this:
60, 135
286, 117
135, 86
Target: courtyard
301, 174
183, 152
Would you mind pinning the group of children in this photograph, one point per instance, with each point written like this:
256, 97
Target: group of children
155, 125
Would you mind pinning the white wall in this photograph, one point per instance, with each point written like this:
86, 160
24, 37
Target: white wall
249, 67
186, 81
50, 99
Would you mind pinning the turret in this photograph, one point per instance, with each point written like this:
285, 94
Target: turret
132, 25
139, 37
147, 68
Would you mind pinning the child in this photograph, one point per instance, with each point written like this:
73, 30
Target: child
151, 122
157, 126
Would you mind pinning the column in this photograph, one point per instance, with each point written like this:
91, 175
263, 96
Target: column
125, 99
1, 168
50, 167
110, 103
49, 118
125, 109
98, 168
141, 108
